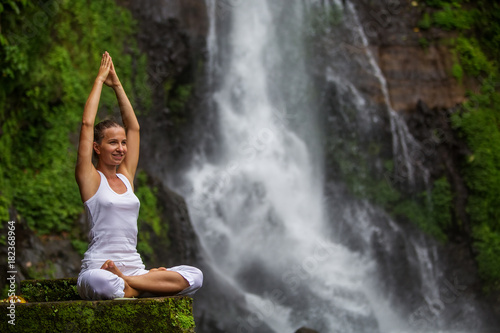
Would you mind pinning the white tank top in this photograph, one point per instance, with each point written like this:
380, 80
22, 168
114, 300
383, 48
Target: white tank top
113, 226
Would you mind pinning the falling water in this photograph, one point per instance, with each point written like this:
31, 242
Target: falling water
258, 205
403, 141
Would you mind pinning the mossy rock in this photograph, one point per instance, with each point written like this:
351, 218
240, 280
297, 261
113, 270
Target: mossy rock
56, 290
162, 314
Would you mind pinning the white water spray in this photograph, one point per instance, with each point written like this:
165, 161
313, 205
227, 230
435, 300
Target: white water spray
258, 210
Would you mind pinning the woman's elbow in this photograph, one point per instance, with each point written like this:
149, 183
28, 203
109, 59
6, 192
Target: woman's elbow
87, 123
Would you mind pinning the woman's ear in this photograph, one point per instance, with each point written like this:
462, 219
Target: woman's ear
96, 148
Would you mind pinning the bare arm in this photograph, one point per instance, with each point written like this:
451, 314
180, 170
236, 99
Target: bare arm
129, 165
85, 173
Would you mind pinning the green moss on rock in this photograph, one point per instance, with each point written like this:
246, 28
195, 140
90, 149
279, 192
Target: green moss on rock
55, 306
50, 290
163, 314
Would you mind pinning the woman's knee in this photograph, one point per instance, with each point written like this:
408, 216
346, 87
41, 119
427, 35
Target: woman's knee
193, 275
198, 277
99, 284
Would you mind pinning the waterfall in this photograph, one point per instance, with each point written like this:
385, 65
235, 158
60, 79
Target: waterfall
259, 205
403, 141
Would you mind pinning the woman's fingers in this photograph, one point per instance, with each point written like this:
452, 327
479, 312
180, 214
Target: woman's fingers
106, 63
112, 79
107, 59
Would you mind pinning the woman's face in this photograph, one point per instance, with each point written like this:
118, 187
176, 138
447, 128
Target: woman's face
113, 146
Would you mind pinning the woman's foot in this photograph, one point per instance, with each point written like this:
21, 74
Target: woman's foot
110, 266
158, 269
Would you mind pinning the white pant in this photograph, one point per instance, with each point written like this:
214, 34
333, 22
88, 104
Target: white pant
97, 284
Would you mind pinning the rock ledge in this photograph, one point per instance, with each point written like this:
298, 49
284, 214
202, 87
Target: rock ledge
159, 314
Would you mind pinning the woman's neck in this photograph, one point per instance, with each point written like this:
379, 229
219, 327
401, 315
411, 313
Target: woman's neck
108, 170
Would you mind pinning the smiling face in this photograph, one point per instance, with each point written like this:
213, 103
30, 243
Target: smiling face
113, 146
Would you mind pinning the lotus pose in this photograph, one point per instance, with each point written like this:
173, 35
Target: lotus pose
111, 267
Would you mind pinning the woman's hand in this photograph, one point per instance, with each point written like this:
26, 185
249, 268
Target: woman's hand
112, 80
106, 65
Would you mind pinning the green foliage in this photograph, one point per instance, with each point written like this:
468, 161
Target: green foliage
5, 292
480, 18
443, 3
351, 162
456, 69
149, 215
50, 53
425, 22
427, 212
180, 96
457, 72
472, 58
419, 214
454, 18
431, 212
488, 247
4, 209
177, 97
144, 247
80, 246
423, 42
441, 201
479, 124
13, 5
488, 27
476, 54
150, 211
42, 270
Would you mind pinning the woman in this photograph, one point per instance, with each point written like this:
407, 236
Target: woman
111, 267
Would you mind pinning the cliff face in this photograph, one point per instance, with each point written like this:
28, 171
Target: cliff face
413, 72
172, 34
414, 66
418, 68
416, 74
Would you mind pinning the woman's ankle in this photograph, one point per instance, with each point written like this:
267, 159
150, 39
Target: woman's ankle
129, 291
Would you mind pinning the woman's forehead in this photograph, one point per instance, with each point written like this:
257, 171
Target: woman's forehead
114, 132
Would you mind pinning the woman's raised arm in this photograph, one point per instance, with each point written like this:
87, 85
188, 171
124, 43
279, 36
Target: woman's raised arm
129, 164
85, 173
